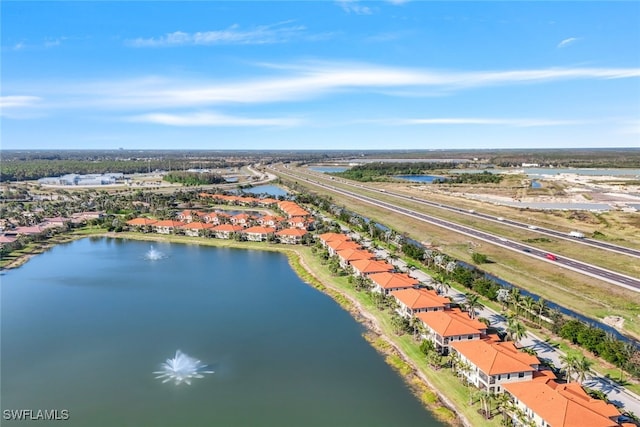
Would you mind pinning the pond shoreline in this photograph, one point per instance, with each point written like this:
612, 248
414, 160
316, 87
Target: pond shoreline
383, 344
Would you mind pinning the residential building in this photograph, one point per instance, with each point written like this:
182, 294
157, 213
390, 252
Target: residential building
412, 301
258, 233
445, 327
546, 403
386, 282
368, 267
490, 365
291, 235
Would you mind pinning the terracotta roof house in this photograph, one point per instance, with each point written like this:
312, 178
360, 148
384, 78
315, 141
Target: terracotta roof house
367, 267
325, 238
225, 231
7, 240
242, 219
269, 220
195, 229
258, 233
167, 226
190, 215
547, 403
494, 363
300, 222
141, 222
445, 327
339, 245
56, 222
386, 282
291, 235
346, 256
412, 301
31, 230
267, 201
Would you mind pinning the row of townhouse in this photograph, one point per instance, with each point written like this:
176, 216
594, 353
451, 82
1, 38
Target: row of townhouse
224, 226
296, 216
256, 233
11, 234
482, 359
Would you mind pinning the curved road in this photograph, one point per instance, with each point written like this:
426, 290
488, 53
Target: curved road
571, 264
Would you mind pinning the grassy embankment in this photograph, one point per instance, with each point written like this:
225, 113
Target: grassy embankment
578, 292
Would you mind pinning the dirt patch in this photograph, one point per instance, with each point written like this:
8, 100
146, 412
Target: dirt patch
615, 321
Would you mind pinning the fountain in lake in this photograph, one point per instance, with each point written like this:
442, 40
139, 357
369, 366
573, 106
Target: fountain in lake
181, 368
153, 254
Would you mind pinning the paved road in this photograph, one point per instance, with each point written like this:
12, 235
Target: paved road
547, 231
615, 278
616, 393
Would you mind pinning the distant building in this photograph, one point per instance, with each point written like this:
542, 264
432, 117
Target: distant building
90, 179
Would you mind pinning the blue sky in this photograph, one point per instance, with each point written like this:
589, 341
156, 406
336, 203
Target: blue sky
320, 74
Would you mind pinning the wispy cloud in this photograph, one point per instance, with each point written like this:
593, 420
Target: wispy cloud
353, 6
300, 82
567, 42
518, 122
15, 106
211, 119
264, 34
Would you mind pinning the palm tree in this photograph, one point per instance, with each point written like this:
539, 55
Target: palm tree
568, 363
472, 303
515, 299
529, 303
541, 307
485, 402
515, 330
582, 368
504, 405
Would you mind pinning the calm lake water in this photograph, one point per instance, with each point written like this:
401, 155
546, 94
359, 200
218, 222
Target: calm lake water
419, 178
85, 324
272, 190
328, 169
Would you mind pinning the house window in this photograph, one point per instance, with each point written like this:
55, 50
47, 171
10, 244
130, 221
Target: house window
520, 374
470, 337
508, 376
499, 377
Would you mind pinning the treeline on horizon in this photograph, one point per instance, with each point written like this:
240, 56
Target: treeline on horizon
34, 169
193, 178
380, 171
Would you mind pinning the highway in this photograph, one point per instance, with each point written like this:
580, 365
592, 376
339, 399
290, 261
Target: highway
568, 263
550, 232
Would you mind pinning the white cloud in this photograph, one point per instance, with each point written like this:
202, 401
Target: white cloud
567, 42
14, 101
522, 122
211, 119
264, 34
353, 6
292, 83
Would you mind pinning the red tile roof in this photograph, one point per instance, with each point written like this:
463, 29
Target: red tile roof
365, 266
229, 228
328, 237
451, 323
292, 232
354, 254
387, 280
496, 358
141, 221
417, 299
563, 405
